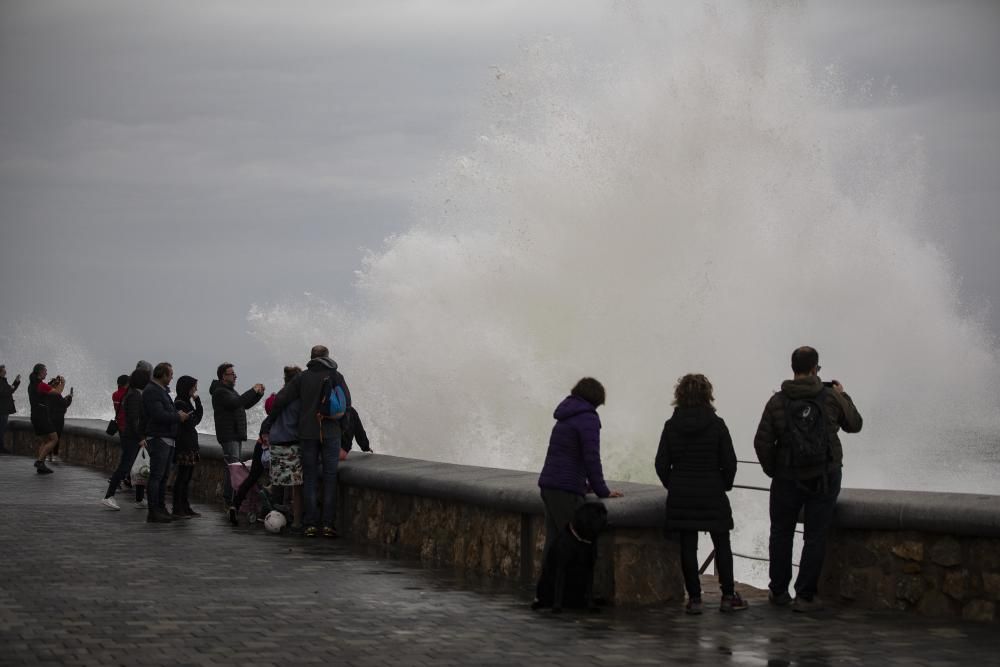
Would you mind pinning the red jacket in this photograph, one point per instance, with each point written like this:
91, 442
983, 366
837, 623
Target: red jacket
116, 400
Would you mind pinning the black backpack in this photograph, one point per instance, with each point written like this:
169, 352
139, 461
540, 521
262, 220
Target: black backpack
805, 442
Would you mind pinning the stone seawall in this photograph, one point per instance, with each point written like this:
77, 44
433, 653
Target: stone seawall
935, 554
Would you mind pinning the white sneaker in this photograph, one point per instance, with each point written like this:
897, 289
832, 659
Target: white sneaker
110, 504
140, 505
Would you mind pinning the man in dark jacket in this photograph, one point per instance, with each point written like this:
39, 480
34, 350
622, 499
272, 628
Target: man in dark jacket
317, 437
6, 404
795, 486
230, 410
162, 418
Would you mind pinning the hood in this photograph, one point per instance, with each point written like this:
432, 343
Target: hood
215, 385
322, 363
692, 419
802, 388
572, 406
184, 385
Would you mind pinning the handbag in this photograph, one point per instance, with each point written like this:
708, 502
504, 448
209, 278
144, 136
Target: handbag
112, 427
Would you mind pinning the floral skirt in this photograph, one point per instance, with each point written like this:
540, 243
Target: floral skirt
286, 465
186, 457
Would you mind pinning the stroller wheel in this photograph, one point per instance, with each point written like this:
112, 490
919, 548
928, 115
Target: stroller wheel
252, 517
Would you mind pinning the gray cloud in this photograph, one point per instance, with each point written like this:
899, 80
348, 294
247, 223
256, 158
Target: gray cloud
244, 152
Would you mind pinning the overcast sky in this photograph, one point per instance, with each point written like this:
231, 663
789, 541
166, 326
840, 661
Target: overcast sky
164, 166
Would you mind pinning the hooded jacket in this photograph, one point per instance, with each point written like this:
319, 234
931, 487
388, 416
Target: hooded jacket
696, 463
573, 460
161, 415
187, 433
231, 411
840, 413
306, 387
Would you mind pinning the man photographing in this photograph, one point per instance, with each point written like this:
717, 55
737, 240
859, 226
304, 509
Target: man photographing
230, 410
798, 447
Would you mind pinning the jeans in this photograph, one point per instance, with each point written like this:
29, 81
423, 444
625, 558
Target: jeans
559, 509
819, 497
256, 470
160, 454
312, 451
130, 449
230, 454
723, 562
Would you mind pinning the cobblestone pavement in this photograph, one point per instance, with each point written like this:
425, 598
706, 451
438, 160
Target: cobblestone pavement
87, 586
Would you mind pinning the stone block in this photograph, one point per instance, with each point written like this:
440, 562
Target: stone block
984, 554
979, 610
957, 584
910, 589
991, 585
947, 552
912, 568
909, 550
935, 603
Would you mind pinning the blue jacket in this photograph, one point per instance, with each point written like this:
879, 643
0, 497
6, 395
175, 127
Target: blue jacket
161, 415
574, 457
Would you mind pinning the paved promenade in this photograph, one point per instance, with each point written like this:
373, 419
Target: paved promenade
86, 586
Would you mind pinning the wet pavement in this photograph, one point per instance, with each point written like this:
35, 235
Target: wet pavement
87, 586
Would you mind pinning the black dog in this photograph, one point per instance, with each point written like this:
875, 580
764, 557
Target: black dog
568, 571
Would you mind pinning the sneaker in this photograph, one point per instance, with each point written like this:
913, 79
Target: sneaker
233, 519
805, 605
43, 469
157, 517
331, 532
732, 603
693, 607
782, 599
188, 512
180, 514
310, 531
111, 504
140, 504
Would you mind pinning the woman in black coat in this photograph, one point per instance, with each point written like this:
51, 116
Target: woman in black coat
697, 465
186, 451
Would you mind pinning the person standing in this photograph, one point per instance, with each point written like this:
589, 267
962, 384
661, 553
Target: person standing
40, 421
319, 439
162, 419
7, 406
187, 456
230, 410
132, 429
798, 448
573, 460
696, 463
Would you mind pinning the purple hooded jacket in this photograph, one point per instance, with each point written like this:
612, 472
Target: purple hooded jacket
574, 455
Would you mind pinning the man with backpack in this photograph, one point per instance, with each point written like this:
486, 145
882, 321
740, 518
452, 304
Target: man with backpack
798, 447
320, 428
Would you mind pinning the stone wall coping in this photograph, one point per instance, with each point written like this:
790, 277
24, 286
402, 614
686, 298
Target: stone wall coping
642, 507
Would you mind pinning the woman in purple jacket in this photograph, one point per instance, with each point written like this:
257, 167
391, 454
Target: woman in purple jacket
573, 461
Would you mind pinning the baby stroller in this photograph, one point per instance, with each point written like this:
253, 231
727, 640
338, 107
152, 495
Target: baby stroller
258, 503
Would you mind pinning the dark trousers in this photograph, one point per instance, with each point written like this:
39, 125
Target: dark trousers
182, 488
160, 454
723, 562
256, 470
816, 498
130, 449
559, 509
3, 431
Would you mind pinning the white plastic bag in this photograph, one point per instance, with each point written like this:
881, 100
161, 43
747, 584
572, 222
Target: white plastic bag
140, 468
